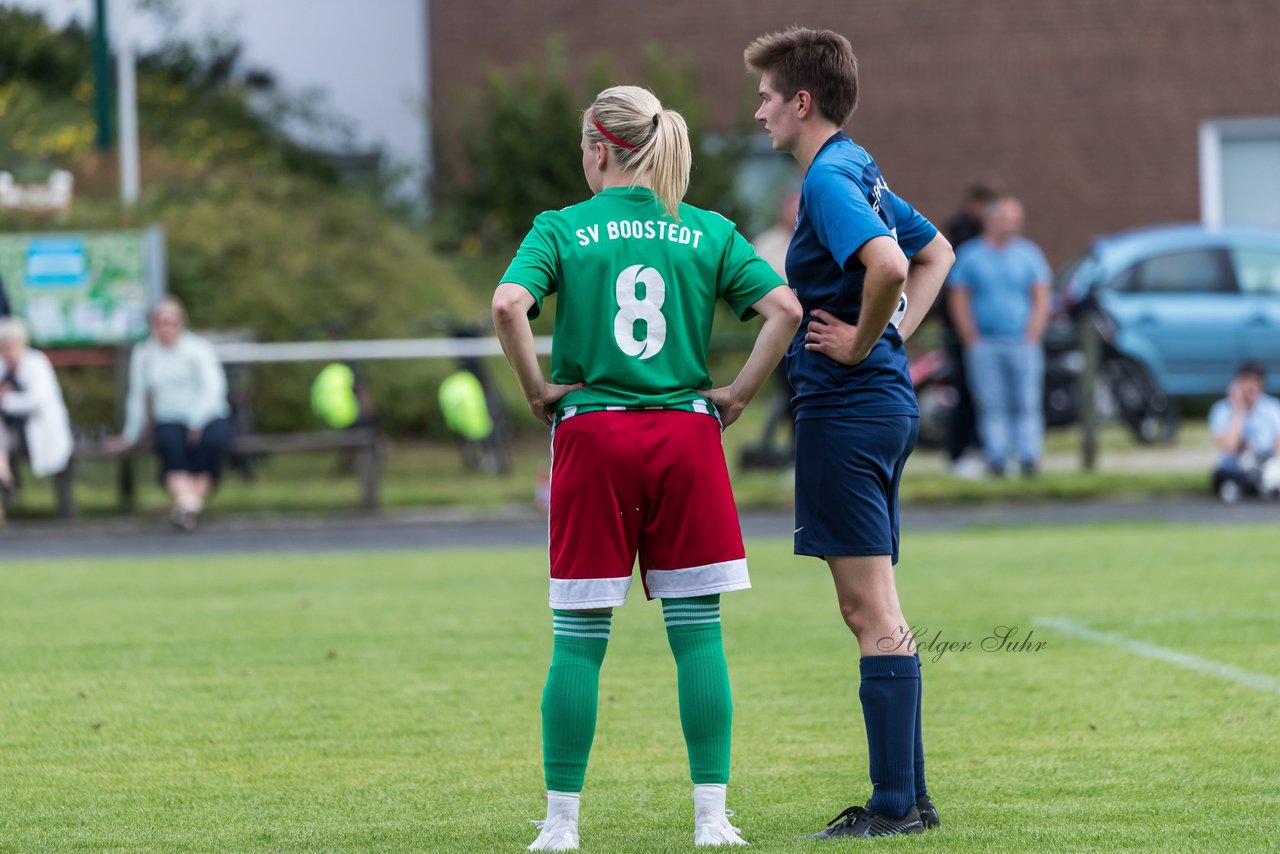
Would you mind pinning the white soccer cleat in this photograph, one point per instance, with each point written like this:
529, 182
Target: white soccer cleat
558, 834
711, 827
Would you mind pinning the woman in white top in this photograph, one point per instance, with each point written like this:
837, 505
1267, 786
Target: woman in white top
30, 404
176, 380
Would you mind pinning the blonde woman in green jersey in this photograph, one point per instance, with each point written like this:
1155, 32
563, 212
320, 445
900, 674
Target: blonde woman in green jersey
637, 464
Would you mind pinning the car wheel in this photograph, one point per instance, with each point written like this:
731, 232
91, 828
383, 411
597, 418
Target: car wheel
1061, 407
1158, 428
936, 402
1141, 403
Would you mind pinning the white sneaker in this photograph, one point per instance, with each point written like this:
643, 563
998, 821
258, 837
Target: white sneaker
711, 827
968, 468
558, 834
183, 519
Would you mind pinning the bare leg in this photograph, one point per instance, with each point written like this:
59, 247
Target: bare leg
868, 596
182, 489
201, 486
6, 474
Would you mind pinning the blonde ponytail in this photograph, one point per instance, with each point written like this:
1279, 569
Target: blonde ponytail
646, 140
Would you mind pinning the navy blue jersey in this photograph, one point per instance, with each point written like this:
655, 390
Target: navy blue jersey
844, 203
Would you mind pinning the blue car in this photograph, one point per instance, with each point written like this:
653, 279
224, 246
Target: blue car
1185, 304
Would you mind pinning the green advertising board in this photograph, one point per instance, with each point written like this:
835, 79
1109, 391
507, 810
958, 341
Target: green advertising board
91, 288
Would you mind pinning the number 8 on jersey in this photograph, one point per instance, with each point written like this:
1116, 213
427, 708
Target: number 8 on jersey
632, 309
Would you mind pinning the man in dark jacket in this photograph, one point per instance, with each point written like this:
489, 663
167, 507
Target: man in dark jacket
962, 426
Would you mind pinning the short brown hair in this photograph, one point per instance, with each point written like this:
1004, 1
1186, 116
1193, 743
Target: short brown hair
821, 62
984, 191
1253, 369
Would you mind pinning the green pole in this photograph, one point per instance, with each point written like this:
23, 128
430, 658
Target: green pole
101, 75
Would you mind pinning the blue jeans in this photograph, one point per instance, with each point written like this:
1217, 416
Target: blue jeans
1006, 378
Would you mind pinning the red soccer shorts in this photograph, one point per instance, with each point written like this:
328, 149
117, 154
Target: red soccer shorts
651, 482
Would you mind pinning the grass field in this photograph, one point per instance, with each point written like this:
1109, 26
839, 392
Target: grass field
389, 702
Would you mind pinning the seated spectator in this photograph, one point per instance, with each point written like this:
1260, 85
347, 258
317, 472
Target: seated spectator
177, 376
31, 408
1245, 426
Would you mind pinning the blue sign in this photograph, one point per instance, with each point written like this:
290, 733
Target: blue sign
56, 262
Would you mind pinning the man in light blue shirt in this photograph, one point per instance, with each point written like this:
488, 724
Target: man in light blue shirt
998, 294
1245, 424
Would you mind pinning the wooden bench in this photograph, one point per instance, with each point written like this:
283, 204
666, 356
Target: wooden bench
365, 443
62, 496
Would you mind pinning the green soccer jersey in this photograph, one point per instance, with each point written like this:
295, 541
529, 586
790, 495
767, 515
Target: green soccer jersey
637, 294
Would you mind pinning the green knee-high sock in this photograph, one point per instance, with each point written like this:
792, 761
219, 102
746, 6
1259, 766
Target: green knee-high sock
570, 697
706, 702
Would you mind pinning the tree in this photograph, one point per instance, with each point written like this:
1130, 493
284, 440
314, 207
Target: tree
518, 156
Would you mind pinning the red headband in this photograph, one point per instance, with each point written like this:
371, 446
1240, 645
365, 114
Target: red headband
628, 146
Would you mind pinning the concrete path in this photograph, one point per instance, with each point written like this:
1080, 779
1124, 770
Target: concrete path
513, 527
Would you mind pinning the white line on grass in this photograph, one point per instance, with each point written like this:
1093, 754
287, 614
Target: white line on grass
1161, 653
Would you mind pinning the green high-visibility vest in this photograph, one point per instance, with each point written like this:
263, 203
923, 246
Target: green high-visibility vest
464, 407
333, 396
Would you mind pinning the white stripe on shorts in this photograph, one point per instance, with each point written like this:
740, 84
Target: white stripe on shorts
574, 594
698, 580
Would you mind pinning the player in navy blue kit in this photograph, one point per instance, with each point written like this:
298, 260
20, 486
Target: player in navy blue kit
866, 267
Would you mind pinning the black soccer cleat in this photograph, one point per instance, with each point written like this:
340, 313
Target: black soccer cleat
862, 822
928, 812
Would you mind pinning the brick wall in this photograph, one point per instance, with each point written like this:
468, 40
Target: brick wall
1088, 109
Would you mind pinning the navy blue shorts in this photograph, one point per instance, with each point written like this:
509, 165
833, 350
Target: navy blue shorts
847, 476
178, 453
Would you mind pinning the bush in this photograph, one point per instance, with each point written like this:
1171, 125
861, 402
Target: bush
519, 156
261, 239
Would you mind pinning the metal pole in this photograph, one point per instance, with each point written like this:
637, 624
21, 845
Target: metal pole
429, 166
101, 76
1092, 346
127, 93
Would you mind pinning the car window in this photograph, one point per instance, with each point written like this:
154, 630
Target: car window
1122, 281
1196, 272
1063, 280
1258, 270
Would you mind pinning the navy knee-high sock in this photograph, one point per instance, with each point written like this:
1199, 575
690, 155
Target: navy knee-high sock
921, 788
888, 693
